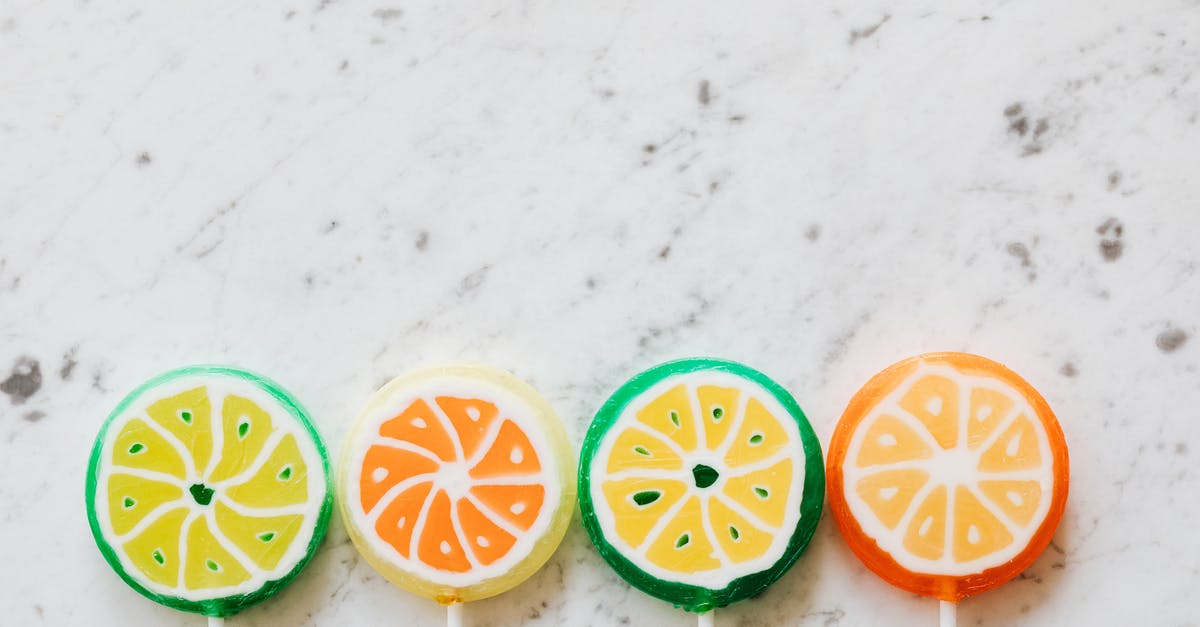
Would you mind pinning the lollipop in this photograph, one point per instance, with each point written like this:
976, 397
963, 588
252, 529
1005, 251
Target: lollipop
456, 483
207, 490
947, 476
700, 483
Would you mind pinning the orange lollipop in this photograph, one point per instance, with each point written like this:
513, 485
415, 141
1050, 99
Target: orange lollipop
947, 475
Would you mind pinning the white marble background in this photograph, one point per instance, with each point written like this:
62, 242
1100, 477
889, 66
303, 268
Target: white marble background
332, 193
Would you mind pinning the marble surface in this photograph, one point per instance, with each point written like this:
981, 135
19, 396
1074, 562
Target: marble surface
334, 192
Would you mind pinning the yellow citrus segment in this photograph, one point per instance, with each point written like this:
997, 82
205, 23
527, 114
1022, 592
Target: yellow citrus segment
933, 399
977, 532
759, 437
926, 534
139, 446
209, 565
244, 430
638, 449
988, 408
637, 504
682, 546
1016, 499
155, 551
264, 539
282, 480
188, 416
671, 415
718, 406
1016, 449
890, 493
763, 492
738, 537
888, 441
130, 499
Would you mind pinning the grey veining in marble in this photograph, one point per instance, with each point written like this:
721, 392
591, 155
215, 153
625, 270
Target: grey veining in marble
333, 192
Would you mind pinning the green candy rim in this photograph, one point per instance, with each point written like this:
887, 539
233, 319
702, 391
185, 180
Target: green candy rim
224, 606
689, 597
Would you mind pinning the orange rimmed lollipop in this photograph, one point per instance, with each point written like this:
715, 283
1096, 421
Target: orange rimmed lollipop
947, 475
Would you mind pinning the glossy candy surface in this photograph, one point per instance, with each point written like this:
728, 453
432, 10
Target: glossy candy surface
948, 474
208, 489
700, 482
456, 482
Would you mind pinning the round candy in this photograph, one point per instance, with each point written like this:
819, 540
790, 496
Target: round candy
208, 489
456, 482
701, 482
947, 474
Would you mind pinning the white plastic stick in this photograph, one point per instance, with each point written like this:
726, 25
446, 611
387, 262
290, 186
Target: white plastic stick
949, 614
454, 615
216, 621
706, 619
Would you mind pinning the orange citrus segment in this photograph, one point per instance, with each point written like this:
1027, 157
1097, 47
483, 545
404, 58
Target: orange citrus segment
977, 532
988, 408
683, 545
890, 493
510, 454
471, 418
438, 545
419, 425
487, 540
396, 522
890, 441
717, 408
639, 449
1017, 499
384, 467
933, 400
518, 504
759, 437
926, 535
671, 415
1016, 449
637, 503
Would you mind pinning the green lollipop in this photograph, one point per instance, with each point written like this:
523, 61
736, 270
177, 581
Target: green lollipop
208, 489
701, 482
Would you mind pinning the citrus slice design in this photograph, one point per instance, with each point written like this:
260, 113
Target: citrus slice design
947, 474
208, 489
701, 482
457, 482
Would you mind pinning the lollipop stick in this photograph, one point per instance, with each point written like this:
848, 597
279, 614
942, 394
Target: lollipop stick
949, 614
454, 615
216, 621
706, 619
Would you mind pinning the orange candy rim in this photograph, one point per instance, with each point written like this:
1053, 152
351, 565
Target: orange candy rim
945, 587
